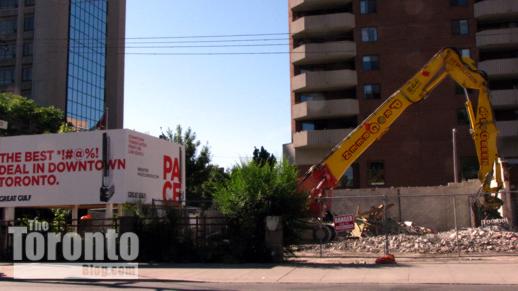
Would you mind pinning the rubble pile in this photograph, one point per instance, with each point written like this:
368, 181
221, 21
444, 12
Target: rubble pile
472, 240
408, 227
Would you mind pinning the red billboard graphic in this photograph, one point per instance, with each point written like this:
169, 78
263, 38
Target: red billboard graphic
344, 222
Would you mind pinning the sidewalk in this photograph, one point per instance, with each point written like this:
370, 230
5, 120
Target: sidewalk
496, 270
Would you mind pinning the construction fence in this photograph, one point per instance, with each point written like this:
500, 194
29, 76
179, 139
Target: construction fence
416, 224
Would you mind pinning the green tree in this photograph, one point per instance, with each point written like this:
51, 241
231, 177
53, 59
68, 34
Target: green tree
262, 156
201, 174
254, 191
26, 117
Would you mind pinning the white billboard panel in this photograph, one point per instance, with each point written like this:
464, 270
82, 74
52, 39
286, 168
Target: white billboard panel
76, 169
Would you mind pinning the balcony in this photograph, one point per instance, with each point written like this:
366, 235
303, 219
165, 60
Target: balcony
504, 99
8, 11
507, 129
319, 53
494, 9
304, 156
497, 38
322, 25
324, 80
326, 109
319, 138
500, 68
308, 5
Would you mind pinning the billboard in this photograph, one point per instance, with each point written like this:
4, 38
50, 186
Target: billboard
89, 168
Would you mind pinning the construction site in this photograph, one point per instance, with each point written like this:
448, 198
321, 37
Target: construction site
404, 147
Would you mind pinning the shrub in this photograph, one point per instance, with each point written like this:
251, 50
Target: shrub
254, 191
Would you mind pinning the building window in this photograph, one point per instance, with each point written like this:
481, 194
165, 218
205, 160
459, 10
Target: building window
459, 90
28, 23
27, 49
6, 76
305, 98
370, 63
7, 51
308, 126
29, 2
350, 178
27, 93
459, 2
460, 27
86, 63
469, 168
8, 26
464, 52
506, 114
372, 91
369, 34
27, 74
368, 6
376, 174
8, 4
462, 116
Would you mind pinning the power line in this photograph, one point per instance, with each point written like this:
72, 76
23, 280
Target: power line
208, 53
185, 41
209, 36
221, 43
179, 36
179, 46
82, 46
212, 41
208, 46
238, 35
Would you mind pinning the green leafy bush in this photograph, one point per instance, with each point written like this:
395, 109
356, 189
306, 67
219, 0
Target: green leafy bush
252, 192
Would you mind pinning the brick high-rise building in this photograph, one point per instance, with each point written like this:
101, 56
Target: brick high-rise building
350, 55
66, 53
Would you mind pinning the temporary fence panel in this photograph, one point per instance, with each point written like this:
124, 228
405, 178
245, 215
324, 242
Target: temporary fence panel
435, 225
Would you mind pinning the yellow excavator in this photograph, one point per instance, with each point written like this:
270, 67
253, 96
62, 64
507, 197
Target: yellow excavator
324, 176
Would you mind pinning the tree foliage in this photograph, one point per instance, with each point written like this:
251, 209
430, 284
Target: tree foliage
201, 174
26, 117
262, 156
254, 191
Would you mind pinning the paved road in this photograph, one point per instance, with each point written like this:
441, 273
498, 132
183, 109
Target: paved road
162, 286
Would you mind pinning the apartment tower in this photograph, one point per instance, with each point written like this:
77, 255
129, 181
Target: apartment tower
350, 55
66, 53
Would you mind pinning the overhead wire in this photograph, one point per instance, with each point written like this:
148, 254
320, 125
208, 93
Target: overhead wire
144, 45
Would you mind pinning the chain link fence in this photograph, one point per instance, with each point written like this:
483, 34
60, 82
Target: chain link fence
417, 224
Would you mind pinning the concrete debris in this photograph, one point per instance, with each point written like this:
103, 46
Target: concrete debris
407, 227
472, 240
366, 228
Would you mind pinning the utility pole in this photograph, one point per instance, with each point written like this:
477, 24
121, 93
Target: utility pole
454, 142
456, 180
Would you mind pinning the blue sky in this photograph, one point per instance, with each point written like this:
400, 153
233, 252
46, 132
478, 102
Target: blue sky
232, 102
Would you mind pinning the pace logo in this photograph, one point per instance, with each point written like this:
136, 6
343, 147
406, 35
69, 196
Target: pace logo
172, 189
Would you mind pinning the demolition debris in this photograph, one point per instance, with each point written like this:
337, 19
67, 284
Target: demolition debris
471, 241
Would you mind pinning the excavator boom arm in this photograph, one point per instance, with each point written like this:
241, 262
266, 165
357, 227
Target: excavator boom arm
447, 62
